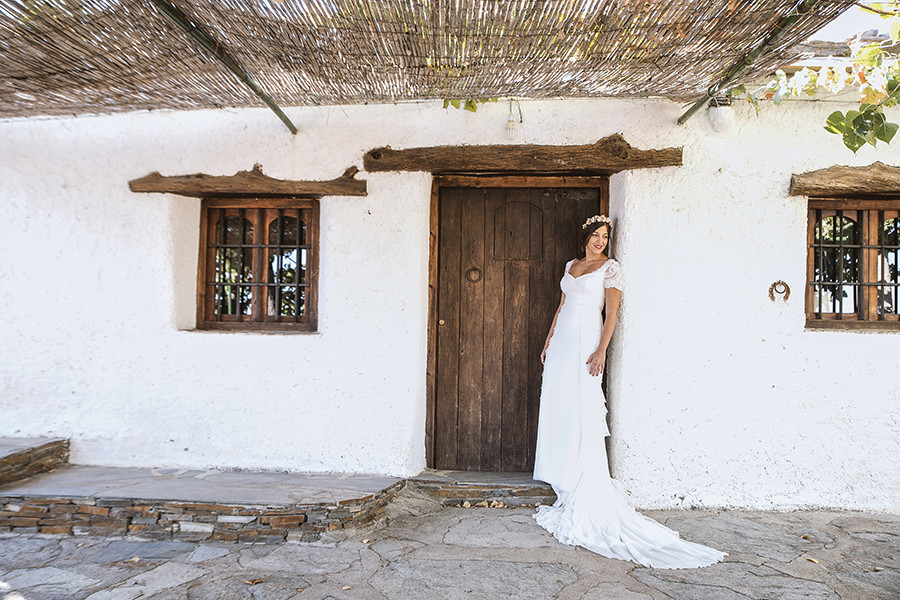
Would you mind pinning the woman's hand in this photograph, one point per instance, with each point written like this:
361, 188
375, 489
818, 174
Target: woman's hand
596, 362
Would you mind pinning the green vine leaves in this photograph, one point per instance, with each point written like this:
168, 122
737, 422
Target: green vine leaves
874, 72
470, 104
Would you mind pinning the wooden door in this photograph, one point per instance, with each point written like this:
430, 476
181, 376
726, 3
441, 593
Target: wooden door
501, 252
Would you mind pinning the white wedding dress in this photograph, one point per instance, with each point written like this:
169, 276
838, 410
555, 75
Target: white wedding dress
591, 509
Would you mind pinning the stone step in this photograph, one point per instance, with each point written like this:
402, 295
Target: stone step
24, 457
480, 488
270, 507
193, 505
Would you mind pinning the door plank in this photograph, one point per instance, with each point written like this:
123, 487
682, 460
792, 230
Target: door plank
515, 369
515, 341
471, 328
492, 409
431, 368
447, 387
543, 300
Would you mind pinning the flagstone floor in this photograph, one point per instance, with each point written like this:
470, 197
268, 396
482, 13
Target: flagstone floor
227, 487
426, 550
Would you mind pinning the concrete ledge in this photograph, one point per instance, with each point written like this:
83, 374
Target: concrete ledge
24, 457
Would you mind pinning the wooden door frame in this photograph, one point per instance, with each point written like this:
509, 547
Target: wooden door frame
475, 181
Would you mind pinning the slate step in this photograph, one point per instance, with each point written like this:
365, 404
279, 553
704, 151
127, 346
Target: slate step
161, 504
455, 488
268, 507
24, 457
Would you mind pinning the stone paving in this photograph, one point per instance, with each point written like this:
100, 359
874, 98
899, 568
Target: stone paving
424, 550
193, 505
235, 487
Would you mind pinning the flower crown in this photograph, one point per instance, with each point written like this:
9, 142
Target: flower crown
597, 219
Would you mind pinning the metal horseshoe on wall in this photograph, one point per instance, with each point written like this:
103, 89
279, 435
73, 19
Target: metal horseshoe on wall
474, 274
780, 288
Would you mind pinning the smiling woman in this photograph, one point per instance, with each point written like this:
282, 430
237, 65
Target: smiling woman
591, 508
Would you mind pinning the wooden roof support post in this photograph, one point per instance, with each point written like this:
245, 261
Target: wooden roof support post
748, 59
214, 47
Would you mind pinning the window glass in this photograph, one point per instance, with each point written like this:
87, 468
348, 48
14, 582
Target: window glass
888, 249
234, 266
287, 236
836, 266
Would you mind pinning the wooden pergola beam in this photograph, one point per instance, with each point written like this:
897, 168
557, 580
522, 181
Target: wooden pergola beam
773, 39
214, 47
841, 181
248, 183
609, 155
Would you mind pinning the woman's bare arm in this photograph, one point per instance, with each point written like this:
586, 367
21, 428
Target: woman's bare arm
597, 360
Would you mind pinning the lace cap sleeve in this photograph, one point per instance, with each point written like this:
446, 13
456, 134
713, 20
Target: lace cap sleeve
613, 277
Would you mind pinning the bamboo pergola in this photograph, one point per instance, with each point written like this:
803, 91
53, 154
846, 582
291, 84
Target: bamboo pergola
63, 57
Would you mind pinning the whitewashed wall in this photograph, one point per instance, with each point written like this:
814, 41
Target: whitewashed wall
721, 398
718, 396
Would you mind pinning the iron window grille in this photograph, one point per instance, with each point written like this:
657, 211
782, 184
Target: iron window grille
258, 264
853, 261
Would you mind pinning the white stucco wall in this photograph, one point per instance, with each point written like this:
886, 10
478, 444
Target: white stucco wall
718, 397
741, 405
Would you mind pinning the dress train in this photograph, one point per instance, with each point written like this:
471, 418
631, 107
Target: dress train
597, 515
592, 509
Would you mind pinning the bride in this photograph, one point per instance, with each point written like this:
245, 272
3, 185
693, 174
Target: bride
591, 509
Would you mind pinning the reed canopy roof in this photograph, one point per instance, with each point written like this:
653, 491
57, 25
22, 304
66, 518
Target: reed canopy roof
101, 56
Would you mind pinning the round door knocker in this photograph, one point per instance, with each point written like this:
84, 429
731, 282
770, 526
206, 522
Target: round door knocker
474, 274
780, 288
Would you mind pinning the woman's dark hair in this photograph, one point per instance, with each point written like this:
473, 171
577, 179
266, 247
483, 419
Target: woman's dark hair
585, 235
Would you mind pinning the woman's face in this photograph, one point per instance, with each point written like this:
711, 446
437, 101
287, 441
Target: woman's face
597, 243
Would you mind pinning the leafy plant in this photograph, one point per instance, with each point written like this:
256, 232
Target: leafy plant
470, 104
874, 71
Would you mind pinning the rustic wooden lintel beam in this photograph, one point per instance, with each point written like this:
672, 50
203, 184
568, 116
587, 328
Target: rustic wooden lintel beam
248, 183
609, 155
842, 181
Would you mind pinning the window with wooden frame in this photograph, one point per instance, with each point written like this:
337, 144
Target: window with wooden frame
852, 263
258, 264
